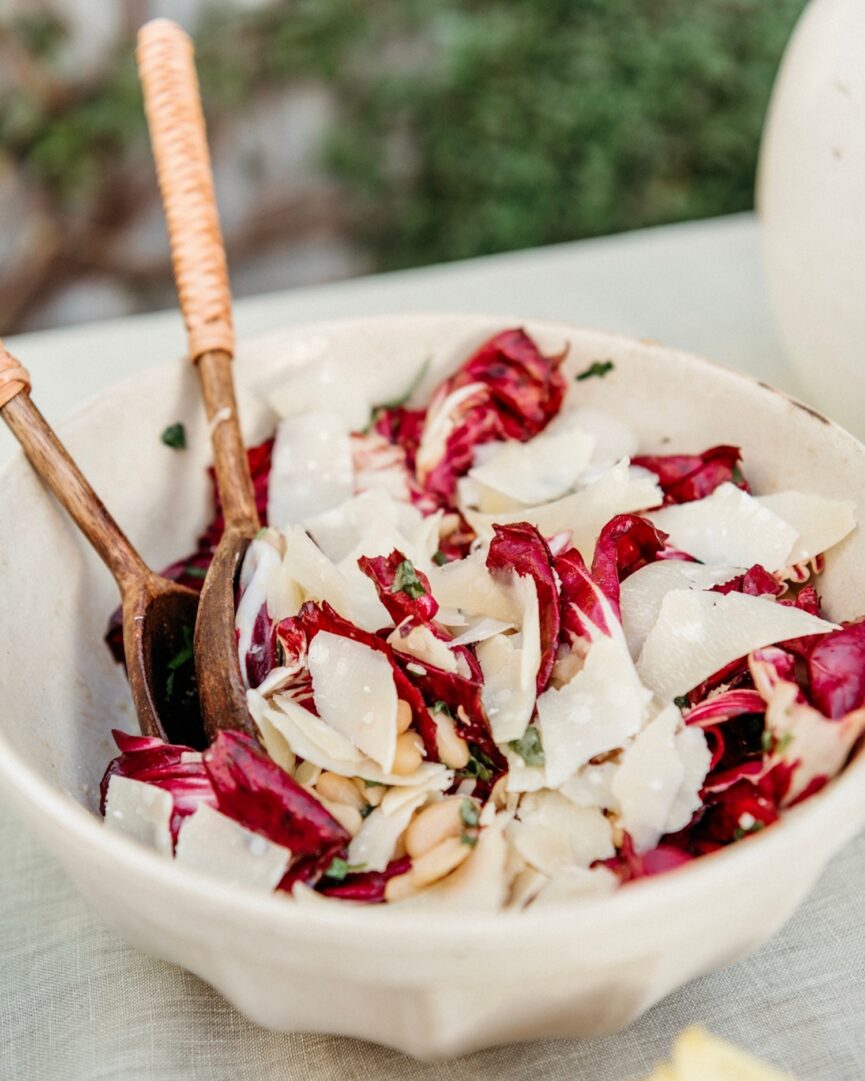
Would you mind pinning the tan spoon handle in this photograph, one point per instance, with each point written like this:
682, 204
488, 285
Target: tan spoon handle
177, 132
51, 461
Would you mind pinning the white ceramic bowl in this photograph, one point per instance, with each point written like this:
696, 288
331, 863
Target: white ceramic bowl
428, 987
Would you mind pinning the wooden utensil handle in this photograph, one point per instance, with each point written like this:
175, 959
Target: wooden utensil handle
179, 138
173, 105
51, 461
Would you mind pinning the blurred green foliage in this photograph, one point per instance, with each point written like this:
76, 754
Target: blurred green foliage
464, 126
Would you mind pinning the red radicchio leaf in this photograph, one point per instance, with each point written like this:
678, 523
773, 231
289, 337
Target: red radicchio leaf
685, 477
294, 635
161, 764
520, 548
403, 428
403, 590
755, 582
261, 657
626, 544
629, 865
836, 671
367, 886
723, 707
581, 598
519, 390
253, 790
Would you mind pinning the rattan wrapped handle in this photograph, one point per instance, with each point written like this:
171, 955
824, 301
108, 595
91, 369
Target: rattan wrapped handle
173, 105
14, 377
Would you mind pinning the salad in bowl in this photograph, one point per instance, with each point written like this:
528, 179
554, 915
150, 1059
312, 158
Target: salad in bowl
499, 656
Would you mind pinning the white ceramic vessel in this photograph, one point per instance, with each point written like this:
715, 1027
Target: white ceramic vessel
811, 197
429, 987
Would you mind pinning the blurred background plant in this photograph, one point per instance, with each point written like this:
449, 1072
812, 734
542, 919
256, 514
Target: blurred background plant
351, 137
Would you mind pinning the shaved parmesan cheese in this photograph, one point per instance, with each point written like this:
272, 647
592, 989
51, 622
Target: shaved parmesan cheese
613, 439
540, 470
592, 786
375, 844
348, 590
572, 883
596, 712
510, 666
421, 643
467, 586
219, 846
312, 467
584, 513
643, 592
648, 779
729, 528
313, 739
552, 834
697, 634
340, 388
140, 811
322, 746
821, 523
480, 630
263, 582
471, 493
355, 694
338, 531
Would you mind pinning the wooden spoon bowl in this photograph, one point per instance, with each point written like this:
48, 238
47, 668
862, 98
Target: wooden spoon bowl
158, 615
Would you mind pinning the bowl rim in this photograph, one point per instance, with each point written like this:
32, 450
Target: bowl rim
347, 924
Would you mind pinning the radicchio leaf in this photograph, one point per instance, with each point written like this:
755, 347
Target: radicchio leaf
506, 390
685, 477
836, 671
294, 635
176, 769
520, 549
253, 790
403, 590
367, 887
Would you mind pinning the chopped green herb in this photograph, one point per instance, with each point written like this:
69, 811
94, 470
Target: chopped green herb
442, 707
529, 748
600, 368
182, 657
470, 813
746, 831
174, 436
406, 581
439, 558
682, 701
366, 810
261, 533
773, 745
471, 816
401, 399
339, 868
195, 572
737, 475
479, 766
371, 784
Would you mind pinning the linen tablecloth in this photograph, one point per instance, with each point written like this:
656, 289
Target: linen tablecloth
77, 1004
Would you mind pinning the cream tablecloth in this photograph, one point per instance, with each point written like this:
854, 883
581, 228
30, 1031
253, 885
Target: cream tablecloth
77, 1004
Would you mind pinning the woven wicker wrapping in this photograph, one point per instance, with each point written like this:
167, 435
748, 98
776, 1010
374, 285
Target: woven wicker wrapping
14, 377
173, 106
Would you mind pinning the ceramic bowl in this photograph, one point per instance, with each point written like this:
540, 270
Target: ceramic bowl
429, 987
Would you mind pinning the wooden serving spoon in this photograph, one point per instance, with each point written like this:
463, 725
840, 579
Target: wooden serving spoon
158, 615
174, 114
